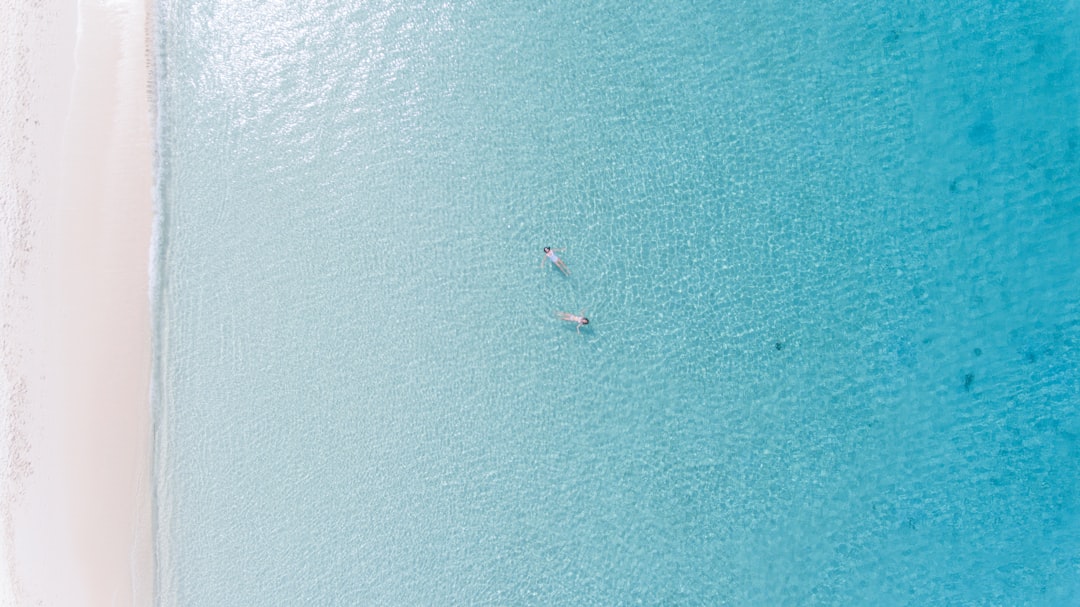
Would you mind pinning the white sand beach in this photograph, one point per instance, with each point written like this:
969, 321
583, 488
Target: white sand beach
76, 213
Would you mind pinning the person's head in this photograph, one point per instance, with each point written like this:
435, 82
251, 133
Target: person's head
584, 320
547, 249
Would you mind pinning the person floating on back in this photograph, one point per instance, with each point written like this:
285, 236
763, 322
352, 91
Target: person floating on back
549, 255
575, 318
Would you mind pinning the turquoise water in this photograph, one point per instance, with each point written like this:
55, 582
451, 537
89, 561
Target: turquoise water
830, 255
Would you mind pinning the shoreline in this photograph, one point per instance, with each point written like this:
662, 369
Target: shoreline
77, 507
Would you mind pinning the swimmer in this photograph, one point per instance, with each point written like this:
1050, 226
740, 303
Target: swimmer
549, 255
575, 318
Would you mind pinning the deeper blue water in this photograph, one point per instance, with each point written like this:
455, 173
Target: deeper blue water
830, 254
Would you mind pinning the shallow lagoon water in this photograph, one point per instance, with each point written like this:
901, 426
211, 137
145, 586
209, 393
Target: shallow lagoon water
829, 255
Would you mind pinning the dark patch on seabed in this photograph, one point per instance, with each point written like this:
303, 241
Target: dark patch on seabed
963, 184
983, 132
1072, 143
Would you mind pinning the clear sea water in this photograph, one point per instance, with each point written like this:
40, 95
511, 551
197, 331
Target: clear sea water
830, 253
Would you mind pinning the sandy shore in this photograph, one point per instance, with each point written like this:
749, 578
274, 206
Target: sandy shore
76, 212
